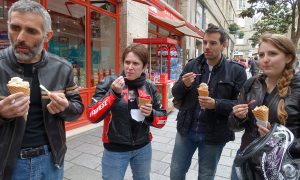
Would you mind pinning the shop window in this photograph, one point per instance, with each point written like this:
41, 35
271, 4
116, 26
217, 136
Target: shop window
103, 43
151, 35
4, 7
152, 26
163, 32
242, 4
104, 5
173, 3
175, 36
68, 41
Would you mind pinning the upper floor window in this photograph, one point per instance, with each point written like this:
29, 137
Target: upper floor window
242, 4
173, 3
200, 20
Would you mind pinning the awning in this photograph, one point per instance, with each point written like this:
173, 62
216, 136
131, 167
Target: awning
155, 41
151, 3
183, 26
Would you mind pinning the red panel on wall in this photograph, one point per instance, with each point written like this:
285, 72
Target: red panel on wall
86, 95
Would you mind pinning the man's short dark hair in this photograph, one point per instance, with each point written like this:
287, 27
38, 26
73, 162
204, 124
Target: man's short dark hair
215, 29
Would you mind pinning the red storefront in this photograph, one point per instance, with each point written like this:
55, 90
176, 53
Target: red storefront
86, 33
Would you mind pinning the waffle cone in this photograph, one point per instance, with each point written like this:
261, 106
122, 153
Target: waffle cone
15, 89
261, 113
143, 101
203, 92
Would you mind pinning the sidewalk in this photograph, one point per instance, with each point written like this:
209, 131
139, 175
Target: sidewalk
83, 158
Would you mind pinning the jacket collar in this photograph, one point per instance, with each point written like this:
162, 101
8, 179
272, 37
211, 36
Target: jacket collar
219, 65
13, 60
202, 60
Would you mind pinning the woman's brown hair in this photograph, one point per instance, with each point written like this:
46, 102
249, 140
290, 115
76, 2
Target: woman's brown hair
139, 50
286, 46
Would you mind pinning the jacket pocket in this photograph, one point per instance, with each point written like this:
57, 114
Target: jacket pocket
225, 89
184, 121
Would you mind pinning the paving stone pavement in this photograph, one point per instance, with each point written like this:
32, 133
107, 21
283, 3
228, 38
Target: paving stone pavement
83, 158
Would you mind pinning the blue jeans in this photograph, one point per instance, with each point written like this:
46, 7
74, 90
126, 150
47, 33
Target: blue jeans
38, 168
114, 164
234, 175
185, 147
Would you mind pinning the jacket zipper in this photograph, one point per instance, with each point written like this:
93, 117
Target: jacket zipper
130, 128
51, 144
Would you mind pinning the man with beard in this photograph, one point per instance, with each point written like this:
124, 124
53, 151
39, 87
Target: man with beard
34, 147
202, 120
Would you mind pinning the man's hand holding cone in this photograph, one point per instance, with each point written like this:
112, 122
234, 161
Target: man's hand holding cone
14, 105
17, 85
205, 101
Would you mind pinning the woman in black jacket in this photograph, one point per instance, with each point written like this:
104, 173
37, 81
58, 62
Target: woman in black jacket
278, 88
128, 104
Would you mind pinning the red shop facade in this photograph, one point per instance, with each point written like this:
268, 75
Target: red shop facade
86, 34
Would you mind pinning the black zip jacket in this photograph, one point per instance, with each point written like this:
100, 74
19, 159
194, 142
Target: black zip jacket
56, 74
226, 79
114, 110
255, 88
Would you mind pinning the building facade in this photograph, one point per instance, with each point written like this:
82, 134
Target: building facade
243, 48
92, 35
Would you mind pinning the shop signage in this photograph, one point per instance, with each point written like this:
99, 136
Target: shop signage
164, 14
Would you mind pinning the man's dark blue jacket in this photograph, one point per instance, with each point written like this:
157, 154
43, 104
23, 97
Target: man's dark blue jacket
226, 80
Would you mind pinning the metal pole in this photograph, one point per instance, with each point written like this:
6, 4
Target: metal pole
161, 57
150, 62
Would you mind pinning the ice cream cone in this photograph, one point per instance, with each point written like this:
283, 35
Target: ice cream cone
16, 85
261, 113
203, 90
143, 101
16, 88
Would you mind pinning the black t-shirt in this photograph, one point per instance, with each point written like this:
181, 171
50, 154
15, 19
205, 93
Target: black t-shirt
35, 133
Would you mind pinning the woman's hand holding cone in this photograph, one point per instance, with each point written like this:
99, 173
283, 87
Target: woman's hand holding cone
240, 111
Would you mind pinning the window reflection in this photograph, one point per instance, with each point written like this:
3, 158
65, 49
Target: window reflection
103, 55
104, 5
164, 32
68, 24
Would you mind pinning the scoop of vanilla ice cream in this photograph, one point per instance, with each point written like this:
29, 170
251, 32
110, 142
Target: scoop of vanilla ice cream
262, 108
18, 81
203, 86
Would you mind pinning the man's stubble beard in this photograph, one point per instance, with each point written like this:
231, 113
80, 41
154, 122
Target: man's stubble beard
35, 50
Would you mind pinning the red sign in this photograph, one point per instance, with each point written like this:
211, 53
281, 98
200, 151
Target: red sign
164, 14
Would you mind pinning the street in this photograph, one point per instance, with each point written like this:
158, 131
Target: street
83, 158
